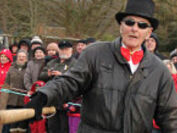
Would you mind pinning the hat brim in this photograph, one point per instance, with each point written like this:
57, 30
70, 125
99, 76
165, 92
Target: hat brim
120, 15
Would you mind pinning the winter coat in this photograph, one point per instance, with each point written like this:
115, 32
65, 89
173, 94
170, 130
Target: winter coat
5, 67
76, 55
56, 65
32, 72
15, 79
114, 100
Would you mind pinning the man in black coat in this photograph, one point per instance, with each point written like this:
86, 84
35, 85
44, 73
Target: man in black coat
123, 85
80, 46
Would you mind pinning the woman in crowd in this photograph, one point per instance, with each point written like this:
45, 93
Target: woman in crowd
14, 48
14, 79
152, 45
34, 67
24, 44
6, 60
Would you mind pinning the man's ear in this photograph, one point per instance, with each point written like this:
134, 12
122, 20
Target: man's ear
149, 32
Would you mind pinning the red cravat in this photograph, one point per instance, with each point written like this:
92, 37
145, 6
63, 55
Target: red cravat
136, 56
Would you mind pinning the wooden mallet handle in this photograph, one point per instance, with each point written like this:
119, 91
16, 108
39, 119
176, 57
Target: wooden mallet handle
15, 115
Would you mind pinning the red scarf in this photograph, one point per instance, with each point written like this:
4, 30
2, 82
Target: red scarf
136, 56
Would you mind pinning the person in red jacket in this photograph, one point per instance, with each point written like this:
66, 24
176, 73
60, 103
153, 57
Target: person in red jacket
6, 60
37, 126
173, 72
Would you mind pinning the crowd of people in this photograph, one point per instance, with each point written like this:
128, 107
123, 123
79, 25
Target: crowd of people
28, 65
123, 86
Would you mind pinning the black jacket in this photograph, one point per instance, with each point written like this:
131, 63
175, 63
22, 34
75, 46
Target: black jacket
114, 100
55, 64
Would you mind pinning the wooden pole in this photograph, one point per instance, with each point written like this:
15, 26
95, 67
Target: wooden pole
3, 104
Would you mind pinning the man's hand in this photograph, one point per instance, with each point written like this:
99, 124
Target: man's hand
38, 101
53, 73
56, 73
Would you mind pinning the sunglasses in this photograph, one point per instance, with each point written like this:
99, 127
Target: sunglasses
141, 25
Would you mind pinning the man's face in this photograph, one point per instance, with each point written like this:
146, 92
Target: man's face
80, 47
133, 35
65, 53
150, 44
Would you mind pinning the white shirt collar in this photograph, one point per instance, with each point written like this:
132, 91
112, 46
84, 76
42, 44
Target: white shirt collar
133, 67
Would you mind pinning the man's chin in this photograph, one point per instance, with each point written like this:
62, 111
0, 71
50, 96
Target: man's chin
133, 46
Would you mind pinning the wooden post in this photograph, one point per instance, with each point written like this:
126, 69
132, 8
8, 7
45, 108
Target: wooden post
3, 103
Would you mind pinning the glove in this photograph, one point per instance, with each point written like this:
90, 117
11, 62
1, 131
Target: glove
38, 101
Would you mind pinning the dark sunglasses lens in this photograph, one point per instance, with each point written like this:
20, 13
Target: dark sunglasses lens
129, 22
143, 25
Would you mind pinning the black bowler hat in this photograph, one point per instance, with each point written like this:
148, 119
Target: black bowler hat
141, 8
64, 44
